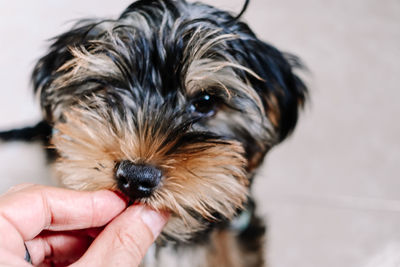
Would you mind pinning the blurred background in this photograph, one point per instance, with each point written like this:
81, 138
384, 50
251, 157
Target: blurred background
331, 192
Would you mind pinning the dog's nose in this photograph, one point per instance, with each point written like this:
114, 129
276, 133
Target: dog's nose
137, 180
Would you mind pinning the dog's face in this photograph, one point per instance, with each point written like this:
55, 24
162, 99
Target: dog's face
173, 104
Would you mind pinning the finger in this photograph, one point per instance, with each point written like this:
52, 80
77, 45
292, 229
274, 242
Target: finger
18, 187
9, 259
126, 239
61, 247
34, 208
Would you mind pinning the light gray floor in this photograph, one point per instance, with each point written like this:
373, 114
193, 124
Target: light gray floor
330, 193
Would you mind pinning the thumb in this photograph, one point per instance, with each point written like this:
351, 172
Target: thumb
126, 239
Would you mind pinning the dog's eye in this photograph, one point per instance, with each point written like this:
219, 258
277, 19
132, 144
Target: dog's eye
204, 105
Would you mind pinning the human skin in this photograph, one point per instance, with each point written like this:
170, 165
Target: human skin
61, 227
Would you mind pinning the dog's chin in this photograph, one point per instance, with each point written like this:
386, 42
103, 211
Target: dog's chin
187, 223
181, 230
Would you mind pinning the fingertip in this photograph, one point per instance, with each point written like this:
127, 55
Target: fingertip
107, 204
121, 196
155, 220
127, 238
152, 219
109, 195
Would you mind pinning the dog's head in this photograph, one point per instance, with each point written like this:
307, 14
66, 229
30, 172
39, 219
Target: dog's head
174, 104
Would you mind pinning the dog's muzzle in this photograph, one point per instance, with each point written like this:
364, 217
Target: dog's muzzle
137, 180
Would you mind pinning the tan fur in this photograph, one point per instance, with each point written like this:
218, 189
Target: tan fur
226, 250
223, 249
203, 179
273, 113
204, 72
91, 139
171, 87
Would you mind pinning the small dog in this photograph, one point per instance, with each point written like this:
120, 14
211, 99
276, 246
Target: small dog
175, 105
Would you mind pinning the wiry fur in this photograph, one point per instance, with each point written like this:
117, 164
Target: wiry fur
127, 90
203, 175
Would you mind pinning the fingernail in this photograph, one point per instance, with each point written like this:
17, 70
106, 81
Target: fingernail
154, 220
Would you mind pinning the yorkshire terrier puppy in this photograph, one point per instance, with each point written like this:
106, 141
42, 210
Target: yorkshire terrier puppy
175, 105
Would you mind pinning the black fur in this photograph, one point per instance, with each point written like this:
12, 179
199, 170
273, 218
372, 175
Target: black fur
153, 57
154, 64
39, 132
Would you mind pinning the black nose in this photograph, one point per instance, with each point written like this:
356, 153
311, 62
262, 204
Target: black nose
137, 180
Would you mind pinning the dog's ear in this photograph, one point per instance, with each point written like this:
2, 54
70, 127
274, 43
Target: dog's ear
45, 70
283, 93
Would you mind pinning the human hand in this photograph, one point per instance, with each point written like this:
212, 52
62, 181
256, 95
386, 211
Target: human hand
61, 226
